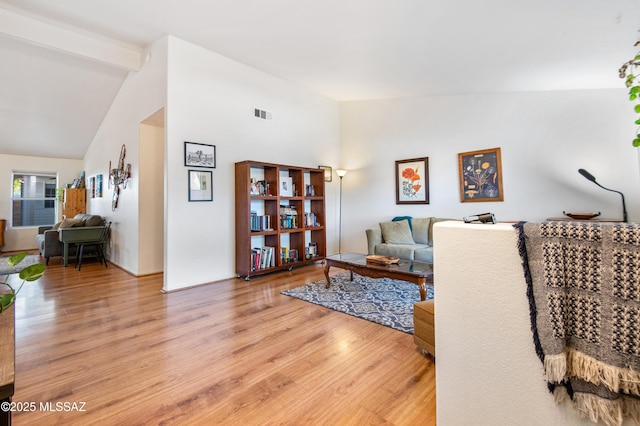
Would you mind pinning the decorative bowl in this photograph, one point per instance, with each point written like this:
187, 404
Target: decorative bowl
582, 216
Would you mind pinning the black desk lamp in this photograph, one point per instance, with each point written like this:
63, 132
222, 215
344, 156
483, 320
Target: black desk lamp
590, 177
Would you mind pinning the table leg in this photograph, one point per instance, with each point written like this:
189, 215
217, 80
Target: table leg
326, 273
351, 275
422, 284
65, 254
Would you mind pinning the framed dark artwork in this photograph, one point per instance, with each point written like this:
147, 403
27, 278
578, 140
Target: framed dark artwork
199, 155
412, 181
328, 173
480, 176
200, 185
92, 187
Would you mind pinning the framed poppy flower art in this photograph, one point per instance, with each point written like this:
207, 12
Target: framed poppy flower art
412, 181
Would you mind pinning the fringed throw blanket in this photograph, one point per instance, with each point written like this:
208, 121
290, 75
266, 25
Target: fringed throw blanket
583, 284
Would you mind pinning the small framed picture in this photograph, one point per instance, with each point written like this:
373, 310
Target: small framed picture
199, 155
200, 185
286, 187
412, 181
328, 173
480, 176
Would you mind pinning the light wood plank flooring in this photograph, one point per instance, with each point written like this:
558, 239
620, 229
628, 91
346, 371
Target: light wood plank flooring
231, 352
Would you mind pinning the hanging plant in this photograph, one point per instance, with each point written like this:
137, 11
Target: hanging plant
630, 71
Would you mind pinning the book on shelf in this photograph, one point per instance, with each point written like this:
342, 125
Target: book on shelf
312, 248
288, 217
311, 220
288, 255
255, 258
310, 191
260, 222
262, 258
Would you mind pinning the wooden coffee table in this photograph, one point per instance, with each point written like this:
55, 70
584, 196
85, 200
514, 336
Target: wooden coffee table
413, 271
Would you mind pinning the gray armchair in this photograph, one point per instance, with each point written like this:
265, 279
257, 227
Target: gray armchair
48, 239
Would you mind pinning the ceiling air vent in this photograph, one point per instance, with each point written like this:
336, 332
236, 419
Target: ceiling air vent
260, 113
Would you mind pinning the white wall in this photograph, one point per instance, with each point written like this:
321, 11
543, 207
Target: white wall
142, 94
151, 226
67, 170
545, 137
488, 372
211, 100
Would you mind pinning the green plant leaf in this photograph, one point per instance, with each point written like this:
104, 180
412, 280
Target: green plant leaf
638, 121
632, 97
629, 80
17, 258
635, 90
7, 300
636, 142
637, 108
32, 272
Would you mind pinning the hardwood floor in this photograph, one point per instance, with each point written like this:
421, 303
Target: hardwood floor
232, 352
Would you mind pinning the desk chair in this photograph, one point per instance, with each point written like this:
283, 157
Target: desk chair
96, 247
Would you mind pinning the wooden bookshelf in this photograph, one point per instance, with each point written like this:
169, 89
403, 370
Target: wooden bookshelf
75, 202
286, 218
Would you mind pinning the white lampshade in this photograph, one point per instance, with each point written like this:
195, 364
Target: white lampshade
341, 172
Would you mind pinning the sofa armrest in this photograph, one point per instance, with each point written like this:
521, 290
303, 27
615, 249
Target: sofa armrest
374, 237
51, 246
41, 229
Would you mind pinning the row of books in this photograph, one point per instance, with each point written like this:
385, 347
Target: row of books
262, 258
288, 220
288, 217
288, 255
260, 223
310, 190
310, 220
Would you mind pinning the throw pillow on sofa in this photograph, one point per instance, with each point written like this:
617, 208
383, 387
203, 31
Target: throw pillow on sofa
421, 228
396, 232
71, 223
94, 220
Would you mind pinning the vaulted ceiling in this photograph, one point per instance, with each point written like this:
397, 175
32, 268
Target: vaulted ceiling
63, 61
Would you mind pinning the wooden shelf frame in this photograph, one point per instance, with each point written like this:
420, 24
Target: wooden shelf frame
279, 238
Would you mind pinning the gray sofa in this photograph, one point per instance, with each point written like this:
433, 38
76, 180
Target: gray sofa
404, 237
48, 240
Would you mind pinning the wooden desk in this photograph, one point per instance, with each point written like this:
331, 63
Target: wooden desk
7, 360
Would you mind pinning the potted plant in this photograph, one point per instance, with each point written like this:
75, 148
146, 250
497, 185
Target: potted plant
30, 273
630, 71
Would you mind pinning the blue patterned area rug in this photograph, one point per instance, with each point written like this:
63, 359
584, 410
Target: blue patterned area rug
5, 268
383, 301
